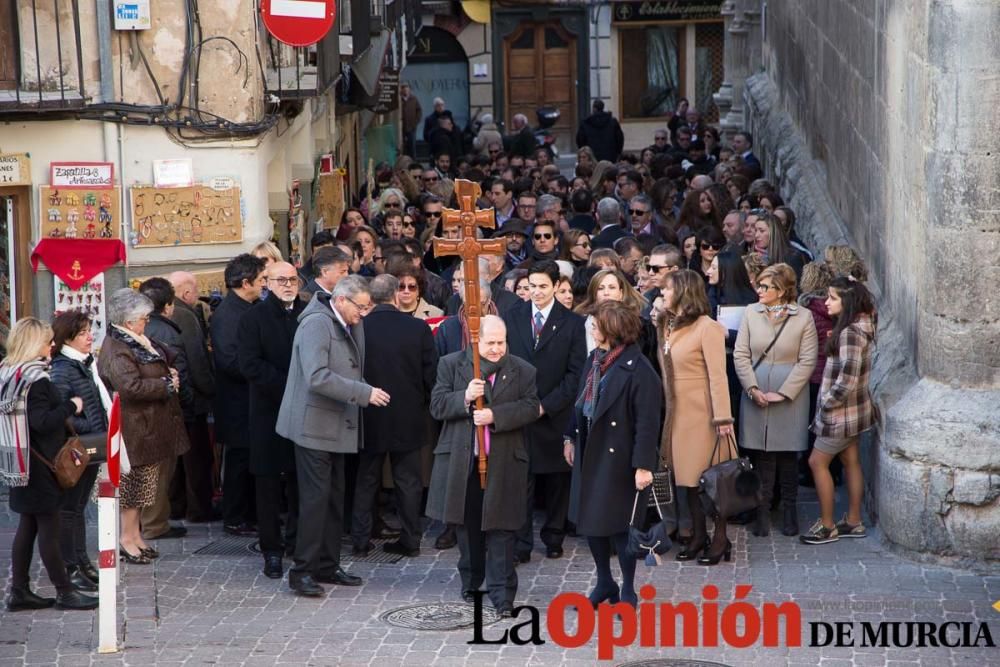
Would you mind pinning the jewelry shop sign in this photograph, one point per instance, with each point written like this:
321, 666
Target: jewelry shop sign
667, 10
15, 169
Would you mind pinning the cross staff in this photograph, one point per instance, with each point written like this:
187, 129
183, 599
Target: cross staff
467, 218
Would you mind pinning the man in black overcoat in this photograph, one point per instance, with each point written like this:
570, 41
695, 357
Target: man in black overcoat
244, 276
266, 334
552, 339
401, 360
486, 518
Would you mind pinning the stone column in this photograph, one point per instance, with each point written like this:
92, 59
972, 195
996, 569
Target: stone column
724, 97
736, 71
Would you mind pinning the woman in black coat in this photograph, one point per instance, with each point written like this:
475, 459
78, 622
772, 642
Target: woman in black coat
616, 445
24, 377
74, 373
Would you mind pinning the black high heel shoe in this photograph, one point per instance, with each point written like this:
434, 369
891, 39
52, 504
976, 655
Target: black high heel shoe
149, 552
599, 595
141, 559
692, 550
713, 559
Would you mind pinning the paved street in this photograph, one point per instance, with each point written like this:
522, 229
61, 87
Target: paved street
198, 609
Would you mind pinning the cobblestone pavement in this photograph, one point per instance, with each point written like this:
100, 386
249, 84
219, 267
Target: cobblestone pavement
198, 609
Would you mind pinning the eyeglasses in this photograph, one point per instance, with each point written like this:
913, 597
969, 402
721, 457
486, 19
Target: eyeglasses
431, 179
284, 282
637, 211
659, 139
407, 288
432, 214
540, 236
761, 287
526, 206
363, 309
584, 244
393, 204
711, 246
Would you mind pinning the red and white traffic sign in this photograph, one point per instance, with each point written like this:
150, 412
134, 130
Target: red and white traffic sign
298, 22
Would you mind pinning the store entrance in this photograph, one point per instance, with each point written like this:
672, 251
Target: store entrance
15, 281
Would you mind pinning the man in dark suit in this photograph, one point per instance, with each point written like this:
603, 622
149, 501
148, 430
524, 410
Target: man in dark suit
191, 488
552, 339
742, 145
602, 132
487, 518
266, 334
582, 202
609, 217
329, 264
244, 277
403, 361
321, 412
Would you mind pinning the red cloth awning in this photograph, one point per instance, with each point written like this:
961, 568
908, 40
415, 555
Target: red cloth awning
76, 261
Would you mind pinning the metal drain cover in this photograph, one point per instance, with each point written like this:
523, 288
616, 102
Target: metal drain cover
239, 547
672, 662
437, 616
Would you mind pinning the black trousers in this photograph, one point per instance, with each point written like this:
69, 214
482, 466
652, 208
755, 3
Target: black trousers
191, 486
485, 555
408, 490
556, 489
321, 506
237, 486
73, 520
410, 143
46, 528
271, 489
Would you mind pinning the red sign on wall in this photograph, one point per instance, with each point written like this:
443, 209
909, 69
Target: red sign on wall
298, 22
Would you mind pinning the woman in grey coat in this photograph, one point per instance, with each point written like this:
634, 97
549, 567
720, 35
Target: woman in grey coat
774, 356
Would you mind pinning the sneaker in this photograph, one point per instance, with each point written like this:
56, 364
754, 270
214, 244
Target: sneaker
819, 534
845, 529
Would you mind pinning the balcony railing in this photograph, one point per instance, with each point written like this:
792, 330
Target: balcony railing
42, 57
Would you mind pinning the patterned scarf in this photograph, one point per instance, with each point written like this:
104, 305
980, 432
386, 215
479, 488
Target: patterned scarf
15, 381
592, 388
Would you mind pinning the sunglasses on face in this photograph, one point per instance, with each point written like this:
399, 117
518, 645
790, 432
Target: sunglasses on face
543, 235
409, 223
711, 246
407, 288
393, 204
433, 214
584, 244
637, 211
656, 268
430, 179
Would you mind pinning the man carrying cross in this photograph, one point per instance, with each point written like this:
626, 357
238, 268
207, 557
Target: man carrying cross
484, 399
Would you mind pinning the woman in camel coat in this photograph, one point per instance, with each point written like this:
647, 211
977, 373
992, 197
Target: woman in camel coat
693, 356
774, 411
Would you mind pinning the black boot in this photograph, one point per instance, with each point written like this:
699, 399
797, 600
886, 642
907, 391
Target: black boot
24, 599
447, 539
699, 531
788, 479
765, 464
74, 599
720, 547
80, 581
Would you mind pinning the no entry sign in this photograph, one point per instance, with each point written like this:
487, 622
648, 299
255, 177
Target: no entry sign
298, 22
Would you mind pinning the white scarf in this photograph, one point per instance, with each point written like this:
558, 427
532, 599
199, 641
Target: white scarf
142, 340
76, 355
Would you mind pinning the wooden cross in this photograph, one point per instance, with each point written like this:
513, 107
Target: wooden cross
467, 219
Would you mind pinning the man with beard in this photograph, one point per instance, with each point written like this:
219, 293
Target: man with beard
486, 518
266, 334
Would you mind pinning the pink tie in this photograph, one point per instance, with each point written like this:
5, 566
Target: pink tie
486, 431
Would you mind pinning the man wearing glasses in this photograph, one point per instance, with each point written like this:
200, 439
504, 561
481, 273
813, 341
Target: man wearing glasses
320, 413
526, 204
661, 142
265, 351
429, 179
544, 240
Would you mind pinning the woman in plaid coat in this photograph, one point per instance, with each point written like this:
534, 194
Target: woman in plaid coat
845, 408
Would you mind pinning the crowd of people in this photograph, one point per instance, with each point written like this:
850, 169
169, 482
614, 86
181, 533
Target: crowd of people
656, 304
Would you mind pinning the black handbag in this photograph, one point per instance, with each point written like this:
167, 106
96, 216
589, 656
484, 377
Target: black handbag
95, 444
730, 487
652, 543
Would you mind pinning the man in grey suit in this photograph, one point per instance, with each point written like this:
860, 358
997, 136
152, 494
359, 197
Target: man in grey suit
321, 413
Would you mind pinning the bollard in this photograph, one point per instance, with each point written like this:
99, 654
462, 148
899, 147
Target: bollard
107, 543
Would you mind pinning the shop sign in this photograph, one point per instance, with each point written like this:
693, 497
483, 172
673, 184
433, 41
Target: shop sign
388, 91
667, 10
173, 173
15, 169
82, 175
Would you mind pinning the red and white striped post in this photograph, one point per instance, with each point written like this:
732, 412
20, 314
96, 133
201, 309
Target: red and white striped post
107, 537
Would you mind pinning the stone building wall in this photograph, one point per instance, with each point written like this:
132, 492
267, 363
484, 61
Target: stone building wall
879, 120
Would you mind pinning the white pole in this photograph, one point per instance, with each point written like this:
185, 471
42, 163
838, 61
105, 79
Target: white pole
107, 543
